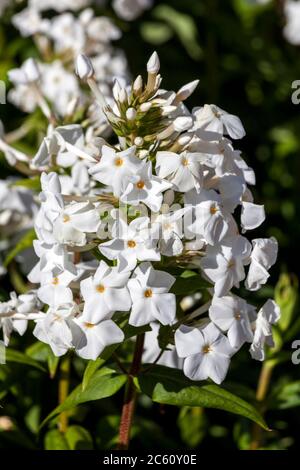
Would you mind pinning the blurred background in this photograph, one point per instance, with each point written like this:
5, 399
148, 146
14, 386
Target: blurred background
246, 59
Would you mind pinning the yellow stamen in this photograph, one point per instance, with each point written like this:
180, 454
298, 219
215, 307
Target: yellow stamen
100, 288
140, 184
55, 281
89, 325
119, 161
131, 244
213, 210
66, 218
148, 293
184, 162
206, 349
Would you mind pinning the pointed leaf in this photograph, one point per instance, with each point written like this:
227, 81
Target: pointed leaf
171, 387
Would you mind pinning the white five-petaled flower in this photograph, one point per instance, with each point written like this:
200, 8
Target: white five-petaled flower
144, 187
183, 170
231, 313
150, 297
214, 119
206, 351
104, 293
114, 167
130, 243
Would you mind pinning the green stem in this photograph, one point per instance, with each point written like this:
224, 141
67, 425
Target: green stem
261, 393
63, 390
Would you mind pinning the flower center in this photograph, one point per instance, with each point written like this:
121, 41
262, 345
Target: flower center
140, 184
55, 281
206, 349
237, 316
131, 244
89, 325
100, 288
119, 161
66, 218
231, 264
184, 161
213, 210
148, 293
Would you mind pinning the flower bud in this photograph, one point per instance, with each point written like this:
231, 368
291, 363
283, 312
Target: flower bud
123, 98
145, 107
138, 85
138, 141
186, 90
182, 123
153, 64
84, 67
131, 114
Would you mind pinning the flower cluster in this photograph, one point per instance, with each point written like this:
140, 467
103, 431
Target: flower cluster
119, 225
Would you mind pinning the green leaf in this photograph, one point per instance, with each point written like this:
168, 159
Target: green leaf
171, 387
21, 358
156, 32
286, 295
90, 370
55, 440
78, 438
33, 183
183, 25
189, 283
23, 244
102, 384
285, 396
192, 425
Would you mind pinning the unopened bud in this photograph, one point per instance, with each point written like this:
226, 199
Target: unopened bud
186, 90
84, 67
131, 114
182, 123
123, 98
138, 85
153, 64
138, 141
145, 107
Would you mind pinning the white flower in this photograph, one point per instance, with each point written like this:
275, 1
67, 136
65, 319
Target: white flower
30, 22
27, 73
291, 29
93, 338
167, 229
263, 256
224, 265
214, 119
54, 288
144, 187
150, 298
206, 351
104, 293
151, 351
114, 167
55, 328
252, 215
266, 317
211, 222
130, 244
129, 10
183, 170
84, 67
231, 314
